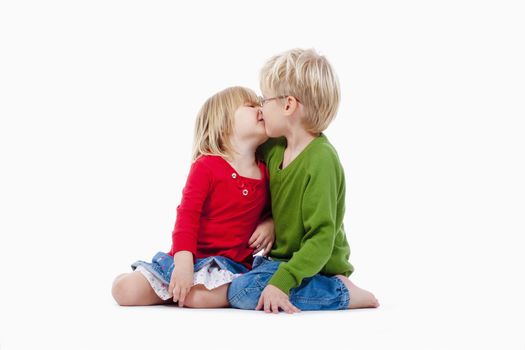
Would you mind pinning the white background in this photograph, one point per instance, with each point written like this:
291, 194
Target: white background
97, 105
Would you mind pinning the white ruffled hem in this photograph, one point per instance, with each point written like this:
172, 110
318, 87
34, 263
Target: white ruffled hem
210, 276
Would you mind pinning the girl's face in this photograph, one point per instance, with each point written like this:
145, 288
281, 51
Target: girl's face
273, 116
248, 123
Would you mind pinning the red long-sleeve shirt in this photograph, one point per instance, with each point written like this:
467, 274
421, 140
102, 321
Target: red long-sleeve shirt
219, 211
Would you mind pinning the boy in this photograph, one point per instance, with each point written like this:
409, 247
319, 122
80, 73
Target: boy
308, 265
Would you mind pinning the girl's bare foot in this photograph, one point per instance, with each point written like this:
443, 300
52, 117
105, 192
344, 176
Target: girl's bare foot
359, 298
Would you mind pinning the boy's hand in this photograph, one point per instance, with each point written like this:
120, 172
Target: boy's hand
263, 237
273, 299
182, 277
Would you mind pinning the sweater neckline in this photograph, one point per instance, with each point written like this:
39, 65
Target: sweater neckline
318, 139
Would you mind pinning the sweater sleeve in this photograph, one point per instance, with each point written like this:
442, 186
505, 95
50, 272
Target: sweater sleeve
194, 194
319, 214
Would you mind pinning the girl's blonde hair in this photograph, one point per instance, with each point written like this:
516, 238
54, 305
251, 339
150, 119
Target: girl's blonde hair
214, 123
309, 77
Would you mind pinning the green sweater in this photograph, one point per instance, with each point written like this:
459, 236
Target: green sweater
308, 204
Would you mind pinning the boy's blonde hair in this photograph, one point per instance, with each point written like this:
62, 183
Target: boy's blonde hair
214, 123
309, 77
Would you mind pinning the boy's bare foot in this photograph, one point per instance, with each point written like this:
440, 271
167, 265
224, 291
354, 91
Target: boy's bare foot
359, 298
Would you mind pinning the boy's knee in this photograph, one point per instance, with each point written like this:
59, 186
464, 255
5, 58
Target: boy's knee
244, 293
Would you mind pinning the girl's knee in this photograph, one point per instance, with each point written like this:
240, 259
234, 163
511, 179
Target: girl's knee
126, 290
120, 290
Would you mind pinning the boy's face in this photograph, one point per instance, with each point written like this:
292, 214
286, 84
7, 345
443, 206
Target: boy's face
273, 114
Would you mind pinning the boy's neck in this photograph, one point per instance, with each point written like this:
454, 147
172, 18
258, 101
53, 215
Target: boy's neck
296, 141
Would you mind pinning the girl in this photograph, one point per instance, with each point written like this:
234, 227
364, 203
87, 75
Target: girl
224, 201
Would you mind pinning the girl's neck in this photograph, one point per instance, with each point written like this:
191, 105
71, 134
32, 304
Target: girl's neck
242, 156
242, 161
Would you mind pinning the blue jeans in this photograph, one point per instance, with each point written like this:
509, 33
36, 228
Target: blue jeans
315, 293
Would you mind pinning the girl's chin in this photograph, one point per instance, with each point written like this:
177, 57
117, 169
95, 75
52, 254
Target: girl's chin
270, 134
263, 138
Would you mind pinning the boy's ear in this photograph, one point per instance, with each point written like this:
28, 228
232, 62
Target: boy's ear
291, 105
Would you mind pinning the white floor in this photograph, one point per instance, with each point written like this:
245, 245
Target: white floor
420, 316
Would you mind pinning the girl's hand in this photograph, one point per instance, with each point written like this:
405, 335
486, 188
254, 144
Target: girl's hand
182, 277
263, 237
272, 299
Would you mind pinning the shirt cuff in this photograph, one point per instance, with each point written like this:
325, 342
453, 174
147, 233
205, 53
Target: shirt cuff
179, 246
